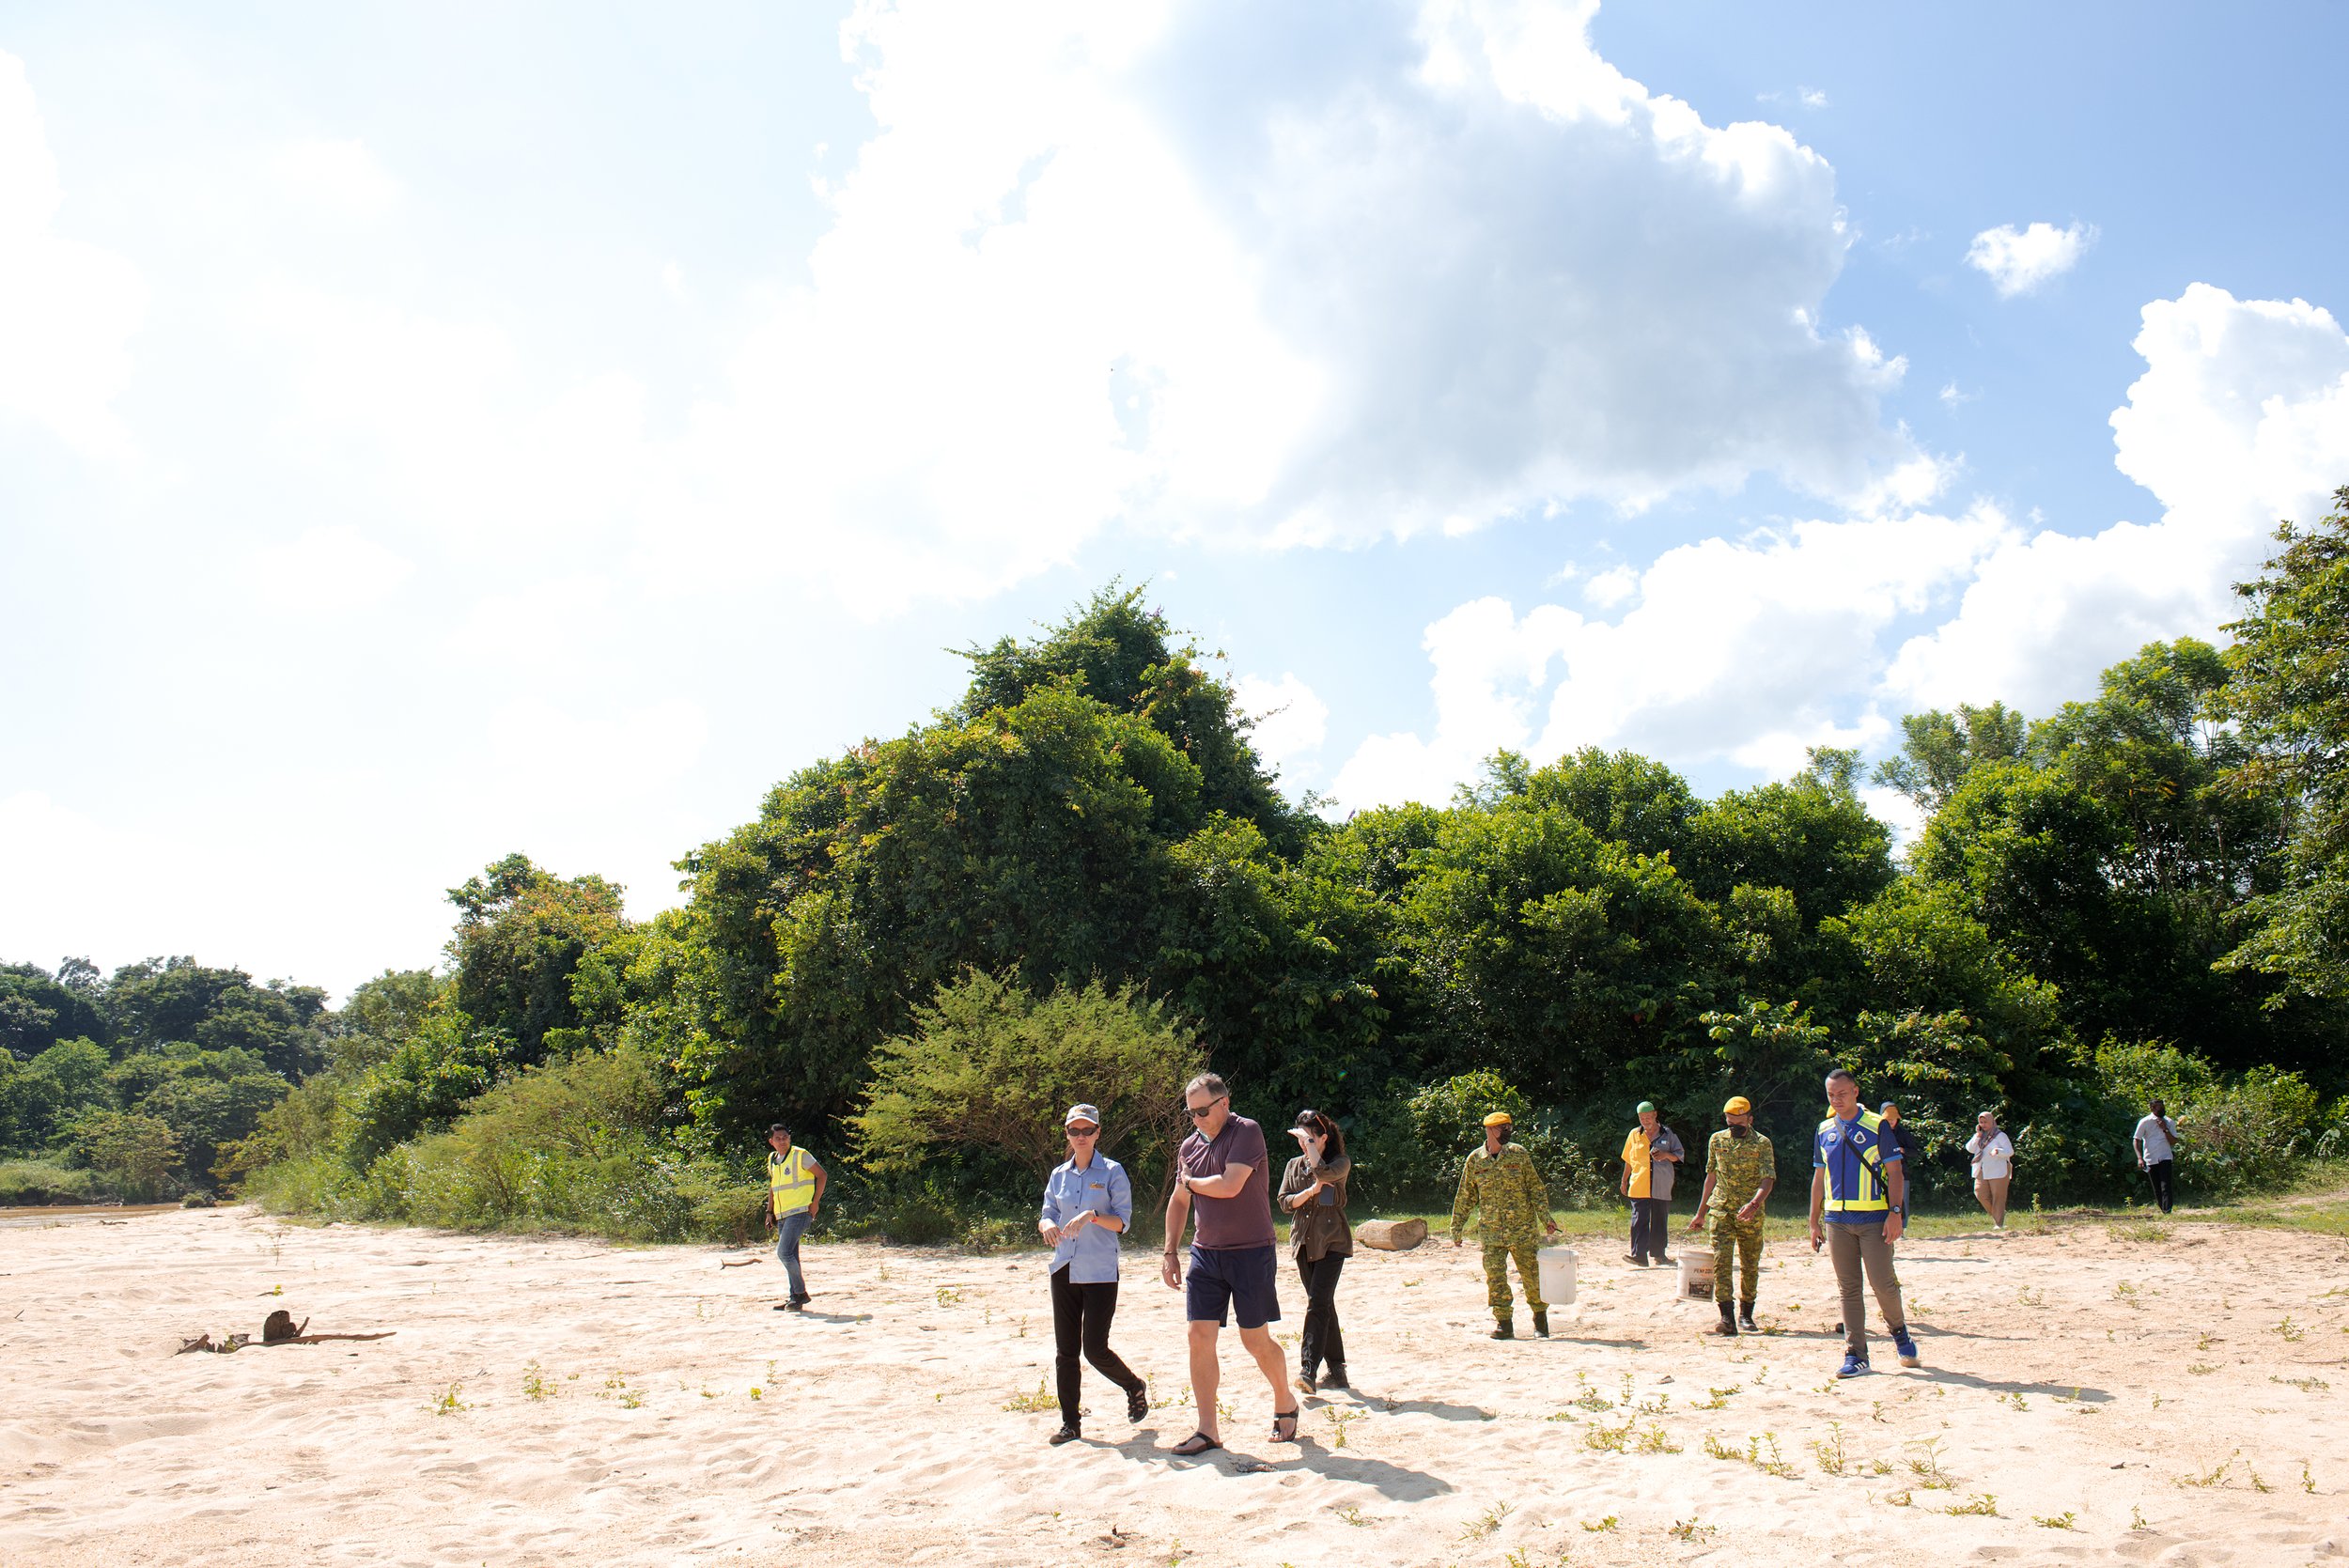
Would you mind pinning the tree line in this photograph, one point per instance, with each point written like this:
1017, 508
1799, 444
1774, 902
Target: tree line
2145, 891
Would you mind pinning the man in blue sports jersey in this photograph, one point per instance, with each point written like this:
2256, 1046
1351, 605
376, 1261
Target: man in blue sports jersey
1857, 1189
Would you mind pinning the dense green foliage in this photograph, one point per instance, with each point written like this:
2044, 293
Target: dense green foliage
1077, 881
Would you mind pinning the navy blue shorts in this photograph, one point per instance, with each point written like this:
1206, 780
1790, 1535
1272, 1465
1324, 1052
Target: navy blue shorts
1245, 1281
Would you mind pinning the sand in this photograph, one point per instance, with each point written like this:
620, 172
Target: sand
556, 1400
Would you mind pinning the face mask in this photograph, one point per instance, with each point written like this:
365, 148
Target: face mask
1741, 1132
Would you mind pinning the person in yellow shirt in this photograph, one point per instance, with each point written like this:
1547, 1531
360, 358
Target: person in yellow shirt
1651, 1153
794, 1191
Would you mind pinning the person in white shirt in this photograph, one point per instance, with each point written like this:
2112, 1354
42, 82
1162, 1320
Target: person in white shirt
2157, 1144
1992, 1154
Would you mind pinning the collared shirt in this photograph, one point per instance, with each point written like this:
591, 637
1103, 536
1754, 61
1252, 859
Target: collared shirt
1091, 1254
1661, 1171
1636, 1163
1842, 1148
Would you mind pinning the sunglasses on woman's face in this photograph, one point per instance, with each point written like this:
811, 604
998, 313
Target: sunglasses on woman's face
1083, 1133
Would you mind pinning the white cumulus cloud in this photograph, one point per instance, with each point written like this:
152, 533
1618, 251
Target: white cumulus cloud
1291, 721
2240, 417
67, 310
2020, 260
340, 176
326, 570
1751, 650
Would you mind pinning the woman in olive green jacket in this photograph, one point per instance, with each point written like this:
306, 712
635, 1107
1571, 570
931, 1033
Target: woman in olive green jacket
1313, 1190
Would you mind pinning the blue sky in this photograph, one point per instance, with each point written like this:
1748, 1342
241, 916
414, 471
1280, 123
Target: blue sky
428, 432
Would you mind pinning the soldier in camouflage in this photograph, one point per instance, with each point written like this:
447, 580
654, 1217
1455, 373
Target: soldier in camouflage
1739, 1170
1501, 1184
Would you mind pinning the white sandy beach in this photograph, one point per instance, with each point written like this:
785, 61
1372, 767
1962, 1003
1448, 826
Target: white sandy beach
878, 1434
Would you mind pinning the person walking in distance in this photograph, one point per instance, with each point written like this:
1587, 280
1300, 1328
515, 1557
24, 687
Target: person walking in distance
1222, 1169
795, 1192
1500, 1184
1740, 1170
1890, 1113
1856, 1184
1088, 1203
1652, 1152
2156, 1141
1992, 1154
1312, 1189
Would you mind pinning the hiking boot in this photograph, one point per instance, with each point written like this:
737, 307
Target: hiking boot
1334, 1378
1854, 1366
1906, 1346
1727, 1327
1305, 1382
1541, 1324
1065, 1434
1635, 1260
1505, 1329
1745, 1318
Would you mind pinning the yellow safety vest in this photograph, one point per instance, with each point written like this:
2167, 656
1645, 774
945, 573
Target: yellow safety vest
789, 1182
1837, 1153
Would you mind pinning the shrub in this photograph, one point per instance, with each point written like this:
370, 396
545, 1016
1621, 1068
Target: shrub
992, 1068
137, 1152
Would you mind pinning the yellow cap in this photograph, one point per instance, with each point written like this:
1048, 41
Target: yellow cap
1738, 1106
1498, 1119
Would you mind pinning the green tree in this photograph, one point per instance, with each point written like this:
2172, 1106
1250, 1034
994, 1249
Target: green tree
163, 1000
55, 1089
521, 934
139, 1152
36, 1010
2290, 693
1939, 750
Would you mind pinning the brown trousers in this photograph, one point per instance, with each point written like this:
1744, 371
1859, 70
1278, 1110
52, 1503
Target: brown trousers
1854, 1248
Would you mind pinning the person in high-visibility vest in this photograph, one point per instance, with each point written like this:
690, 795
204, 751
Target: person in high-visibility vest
794, 1191
1857, 1189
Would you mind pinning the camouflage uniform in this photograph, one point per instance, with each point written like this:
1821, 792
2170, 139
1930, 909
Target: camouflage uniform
1738, 1167
1512, 1205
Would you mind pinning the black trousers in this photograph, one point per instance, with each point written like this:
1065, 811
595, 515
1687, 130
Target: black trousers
1651, 1228
2159, 1172
1322, 1339
1081, 1321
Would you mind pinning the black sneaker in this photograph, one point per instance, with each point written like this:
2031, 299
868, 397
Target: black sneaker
1065, 1434
1334, 1378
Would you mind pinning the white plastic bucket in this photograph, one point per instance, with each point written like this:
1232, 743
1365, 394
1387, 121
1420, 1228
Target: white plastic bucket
1696, 1275
1557, 1271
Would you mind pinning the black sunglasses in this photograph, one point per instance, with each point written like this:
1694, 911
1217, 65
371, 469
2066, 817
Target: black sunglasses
1199, 1113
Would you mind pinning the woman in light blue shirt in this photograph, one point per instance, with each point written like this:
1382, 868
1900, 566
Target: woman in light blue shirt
1088, 1203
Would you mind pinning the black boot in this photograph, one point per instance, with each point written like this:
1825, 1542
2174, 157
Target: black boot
1745, 1317
1727, 1327
1504, 1329
1541, 1324
1334, 1378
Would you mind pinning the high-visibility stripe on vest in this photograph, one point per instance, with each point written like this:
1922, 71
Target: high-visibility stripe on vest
1870, 1162
789, 1183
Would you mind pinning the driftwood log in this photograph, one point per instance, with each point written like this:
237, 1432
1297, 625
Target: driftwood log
280, 1329
1392, 1236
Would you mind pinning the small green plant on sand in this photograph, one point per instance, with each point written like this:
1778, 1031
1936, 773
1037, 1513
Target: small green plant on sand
1029, 1405
1720, 1400
2137, 1518
1982, 1503
949, 1295
1352, 1516
1486, 1522
1598, 1525
1900, 1499
535, 1384
448, 1404
1927, 1468
2056, 1521
1688, 1529
2216, 1476
2292, 1332
1830, 1450
1340, 1418
2305, 1385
